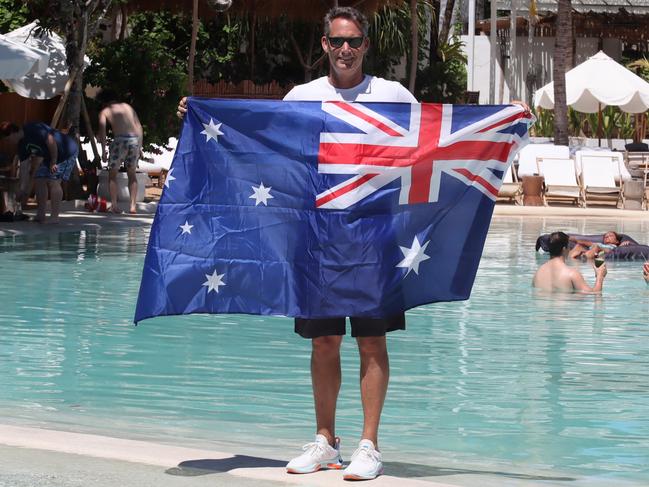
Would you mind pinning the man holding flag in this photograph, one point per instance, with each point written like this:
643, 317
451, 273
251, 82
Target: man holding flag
476, 164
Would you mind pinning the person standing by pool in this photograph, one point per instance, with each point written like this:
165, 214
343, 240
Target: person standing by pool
345, 41
125, 147
556, 275
46, 157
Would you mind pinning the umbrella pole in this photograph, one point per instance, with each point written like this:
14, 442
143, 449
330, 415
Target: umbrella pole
600, 122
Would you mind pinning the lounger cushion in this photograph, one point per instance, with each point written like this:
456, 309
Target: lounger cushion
633, 251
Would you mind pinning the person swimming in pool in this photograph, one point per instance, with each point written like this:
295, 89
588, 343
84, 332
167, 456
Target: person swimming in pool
588, 249
556, 275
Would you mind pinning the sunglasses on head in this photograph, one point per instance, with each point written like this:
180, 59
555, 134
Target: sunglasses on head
353, 42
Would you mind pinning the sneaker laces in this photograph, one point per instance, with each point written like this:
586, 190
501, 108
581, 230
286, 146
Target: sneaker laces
366, 453
313, 447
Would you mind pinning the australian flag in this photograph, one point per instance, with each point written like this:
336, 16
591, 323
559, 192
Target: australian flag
325, 209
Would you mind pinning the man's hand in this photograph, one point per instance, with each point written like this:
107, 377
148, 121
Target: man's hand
626, 242
523, 104
601, 271
182, 108
54, 168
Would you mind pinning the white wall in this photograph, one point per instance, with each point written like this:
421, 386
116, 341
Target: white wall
530, 69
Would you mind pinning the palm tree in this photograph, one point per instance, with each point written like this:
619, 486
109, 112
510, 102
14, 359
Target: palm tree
562, 61
414, 46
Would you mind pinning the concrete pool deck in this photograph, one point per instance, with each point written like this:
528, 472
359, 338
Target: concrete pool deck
75, 218
63, 459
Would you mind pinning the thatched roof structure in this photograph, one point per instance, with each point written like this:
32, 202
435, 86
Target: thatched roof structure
629, 28
309, 10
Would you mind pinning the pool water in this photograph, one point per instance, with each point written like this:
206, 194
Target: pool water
510, 385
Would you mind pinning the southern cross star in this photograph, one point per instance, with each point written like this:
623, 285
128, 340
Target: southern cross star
413, 256
169, 178
261, 194
187, 228
214, 281
211, 131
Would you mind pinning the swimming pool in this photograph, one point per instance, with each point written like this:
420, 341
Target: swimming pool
507, 386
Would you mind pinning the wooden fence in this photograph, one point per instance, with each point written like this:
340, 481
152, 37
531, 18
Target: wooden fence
244, 89
19, 110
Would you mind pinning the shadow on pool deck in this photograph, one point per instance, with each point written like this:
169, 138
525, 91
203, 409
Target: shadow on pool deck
193, 468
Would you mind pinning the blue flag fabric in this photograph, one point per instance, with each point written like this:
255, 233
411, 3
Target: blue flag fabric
325, 209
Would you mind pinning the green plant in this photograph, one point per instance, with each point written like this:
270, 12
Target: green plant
614, 124
444, 80
13, 14
147, 70
544, 126
390, 37
640, 67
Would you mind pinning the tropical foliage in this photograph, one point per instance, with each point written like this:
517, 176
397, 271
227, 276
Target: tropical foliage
615, 124
147, 70
13, 14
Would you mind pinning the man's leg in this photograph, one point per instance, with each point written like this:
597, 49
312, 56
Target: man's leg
374, 377
56, 195
326, 378
112, 188
132, 188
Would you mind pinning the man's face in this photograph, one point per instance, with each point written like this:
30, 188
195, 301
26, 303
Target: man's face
345, 60
610, 238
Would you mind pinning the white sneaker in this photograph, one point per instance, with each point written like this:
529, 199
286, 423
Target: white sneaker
366, 463
317, 455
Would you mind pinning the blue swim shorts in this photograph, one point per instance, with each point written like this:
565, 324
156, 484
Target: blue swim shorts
63, 170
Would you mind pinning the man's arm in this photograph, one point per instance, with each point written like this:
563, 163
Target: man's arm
101, 134
53, 150
579, 283
585, 243
138, 125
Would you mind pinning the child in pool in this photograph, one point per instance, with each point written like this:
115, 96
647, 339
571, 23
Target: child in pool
588, 249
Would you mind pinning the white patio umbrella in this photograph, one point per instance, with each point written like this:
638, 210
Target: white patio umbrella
51, 82
18, 59
596, 83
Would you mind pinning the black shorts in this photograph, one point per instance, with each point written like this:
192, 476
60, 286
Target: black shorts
361, 327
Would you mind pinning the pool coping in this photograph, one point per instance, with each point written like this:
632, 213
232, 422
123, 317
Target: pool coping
74, 217
172, 457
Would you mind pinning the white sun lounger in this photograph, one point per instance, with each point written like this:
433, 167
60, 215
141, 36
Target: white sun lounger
527, 156
599, 173
560, 179
511, 188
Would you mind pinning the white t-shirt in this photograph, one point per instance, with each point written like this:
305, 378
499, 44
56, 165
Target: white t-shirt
370, 89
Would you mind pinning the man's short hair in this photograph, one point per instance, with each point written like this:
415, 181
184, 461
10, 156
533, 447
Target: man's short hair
7, 128
558, 242
107, 97
349, 13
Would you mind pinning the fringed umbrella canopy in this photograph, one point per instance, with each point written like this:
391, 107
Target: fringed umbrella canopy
309, 10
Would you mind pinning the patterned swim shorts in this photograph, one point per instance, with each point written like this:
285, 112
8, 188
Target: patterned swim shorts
124, 149
63, 170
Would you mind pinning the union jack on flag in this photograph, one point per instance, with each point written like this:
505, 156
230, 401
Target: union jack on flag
323, 209
384, 151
